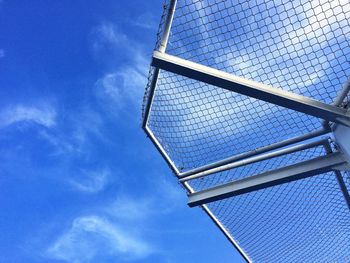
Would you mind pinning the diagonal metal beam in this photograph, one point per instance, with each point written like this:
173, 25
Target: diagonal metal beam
255, 159
261, 150
250, 88
271, 178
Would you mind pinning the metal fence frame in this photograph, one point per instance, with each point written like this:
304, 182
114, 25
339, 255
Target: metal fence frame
329, 113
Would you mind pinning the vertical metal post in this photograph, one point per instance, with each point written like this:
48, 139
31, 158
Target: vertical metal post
162, 47
167, 26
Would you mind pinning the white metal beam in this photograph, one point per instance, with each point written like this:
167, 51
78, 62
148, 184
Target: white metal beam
258, 158
162, 47
279, 176
255, 152
250, 88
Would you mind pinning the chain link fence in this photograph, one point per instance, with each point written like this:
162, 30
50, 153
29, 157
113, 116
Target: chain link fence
298, 46
302, 221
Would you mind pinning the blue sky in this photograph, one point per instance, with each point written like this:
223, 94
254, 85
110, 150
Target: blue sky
79, 180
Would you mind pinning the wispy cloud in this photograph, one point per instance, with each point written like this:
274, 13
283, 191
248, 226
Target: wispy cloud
164, 199
131, 208
125, 229
92, 237
107, 35
85, 124
2, 51
73, 133
124, 84
44, 115
91, 181
146, 21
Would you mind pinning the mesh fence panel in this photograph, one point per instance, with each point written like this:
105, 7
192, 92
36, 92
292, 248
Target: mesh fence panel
198, 123
298, 46
302, 221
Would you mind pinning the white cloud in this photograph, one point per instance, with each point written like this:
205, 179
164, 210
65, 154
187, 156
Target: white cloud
62, 146
163, 200
43, 115
110, 91
126, 83
117, 230
2, 51
86, 123
146, 21
92, 237
91, 181
73, 135
130, 208
107, 35
120, 87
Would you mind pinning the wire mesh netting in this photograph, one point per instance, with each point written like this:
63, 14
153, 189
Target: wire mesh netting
198, 124
302, 221
298, 46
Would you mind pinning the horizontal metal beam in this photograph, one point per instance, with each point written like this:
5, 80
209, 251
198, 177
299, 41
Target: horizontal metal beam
259, 158
250, 88
261, 150
271, 178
